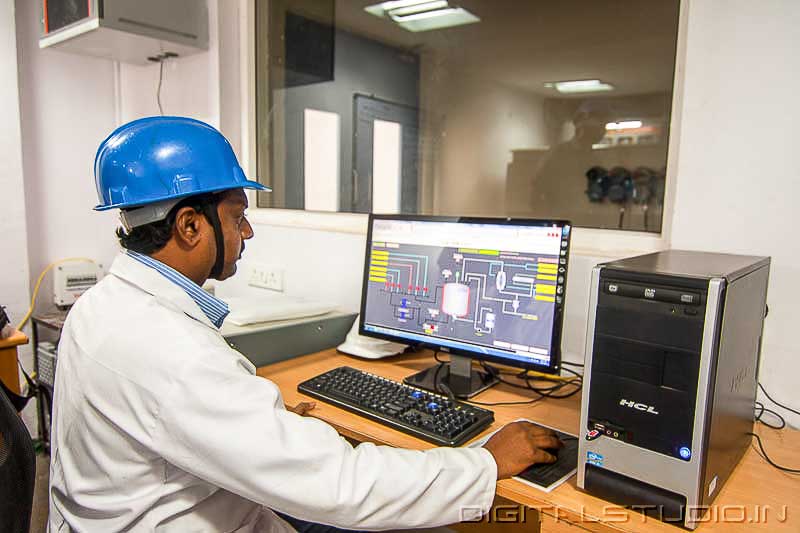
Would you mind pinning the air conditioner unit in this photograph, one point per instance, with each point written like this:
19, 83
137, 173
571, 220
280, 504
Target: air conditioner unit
131, 31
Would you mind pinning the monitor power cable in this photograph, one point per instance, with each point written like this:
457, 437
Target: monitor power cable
525, 402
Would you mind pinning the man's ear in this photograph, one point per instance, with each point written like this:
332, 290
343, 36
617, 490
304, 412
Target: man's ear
189, 226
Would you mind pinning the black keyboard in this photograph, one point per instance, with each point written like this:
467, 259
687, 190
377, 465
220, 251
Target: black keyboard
429, 416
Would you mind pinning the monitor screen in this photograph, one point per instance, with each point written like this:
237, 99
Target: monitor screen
491, 289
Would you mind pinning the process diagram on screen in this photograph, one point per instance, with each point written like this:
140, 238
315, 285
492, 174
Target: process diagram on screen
474, 295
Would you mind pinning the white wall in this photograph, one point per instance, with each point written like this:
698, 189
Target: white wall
67, 107
190, 86
69, 104
738, 175
318, 265
13, 242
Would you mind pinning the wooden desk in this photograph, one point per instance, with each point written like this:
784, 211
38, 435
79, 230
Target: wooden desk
756, 497
9, 371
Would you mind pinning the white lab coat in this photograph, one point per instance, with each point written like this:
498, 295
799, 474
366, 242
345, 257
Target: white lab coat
158, 425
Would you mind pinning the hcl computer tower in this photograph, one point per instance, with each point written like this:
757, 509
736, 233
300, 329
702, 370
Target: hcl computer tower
672, 352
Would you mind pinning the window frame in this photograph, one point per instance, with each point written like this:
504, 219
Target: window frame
585, 241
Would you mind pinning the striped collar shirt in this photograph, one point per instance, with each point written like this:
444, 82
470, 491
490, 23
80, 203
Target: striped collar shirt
215, 309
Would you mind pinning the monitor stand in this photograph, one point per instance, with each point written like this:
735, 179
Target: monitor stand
457, 375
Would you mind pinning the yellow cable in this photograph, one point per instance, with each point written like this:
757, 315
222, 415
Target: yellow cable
39, 282
544, 375
535, 374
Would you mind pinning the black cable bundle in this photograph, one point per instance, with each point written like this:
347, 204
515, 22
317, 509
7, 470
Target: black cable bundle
760, 411
542, 392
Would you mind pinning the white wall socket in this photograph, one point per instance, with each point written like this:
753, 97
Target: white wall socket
266, 277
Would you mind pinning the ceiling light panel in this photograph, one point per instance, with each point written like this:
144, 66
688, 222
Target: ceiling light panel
422, 15
580, 86
624, 125
421, 8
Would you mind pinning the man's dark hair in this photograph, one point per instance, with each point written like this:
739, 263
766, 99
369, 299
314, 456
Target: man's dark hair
152, 237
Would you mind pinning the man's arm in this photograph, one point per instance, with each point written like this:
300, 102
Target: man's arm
231, 429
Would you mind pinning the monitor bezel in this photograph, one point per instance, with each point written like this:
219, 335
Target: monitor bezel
558, 314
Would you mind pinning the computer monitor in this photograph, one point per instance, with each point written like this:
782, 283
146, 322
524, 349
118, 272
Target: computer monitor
490, 289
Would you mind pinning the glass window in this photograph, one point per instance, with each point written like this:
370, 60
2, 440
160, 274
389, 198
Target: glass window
481, 107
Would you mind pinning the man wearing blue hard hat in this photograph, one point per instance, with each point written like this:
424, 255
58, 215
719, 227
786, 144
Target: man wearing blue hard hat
158, 425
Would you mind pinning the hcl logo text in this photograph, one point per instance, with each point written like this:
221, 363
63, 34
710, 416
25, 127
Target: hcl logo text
638, 406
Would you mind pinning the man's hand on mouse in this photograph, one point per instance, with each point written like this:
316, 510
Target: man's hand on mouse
519, 445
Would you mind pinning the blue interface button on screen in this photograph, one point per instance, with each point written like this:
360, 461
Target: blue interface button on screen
685, 453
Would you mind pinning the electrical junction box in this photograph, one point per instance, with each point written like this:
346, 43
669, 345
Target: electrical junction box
70, 280
130, 31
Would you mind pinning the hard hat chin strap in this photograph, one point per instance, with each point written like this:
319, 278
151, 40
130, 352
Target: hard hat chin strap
210, 211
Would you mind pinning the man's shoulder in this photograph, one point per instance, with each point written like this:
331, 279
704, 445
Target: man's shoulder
122, 339
116, 320
115, 298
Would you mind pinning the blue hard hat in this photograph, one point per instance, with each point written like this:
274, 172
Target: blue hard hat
155, 159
